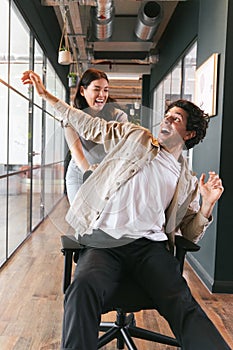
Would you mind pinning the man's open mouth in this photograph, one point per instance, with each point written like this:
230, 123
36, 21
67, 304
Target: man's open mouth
165, 131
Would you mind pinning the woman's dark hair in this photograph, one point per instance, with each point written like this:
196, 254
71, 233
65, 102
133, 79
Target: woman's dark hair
197, 120
88, 76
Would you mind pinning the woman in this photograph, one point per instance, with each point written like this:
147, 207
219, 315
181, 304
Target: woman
92, 96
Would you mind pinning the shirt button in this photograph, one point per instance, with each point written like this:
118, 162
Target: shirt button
106, 198
118, 183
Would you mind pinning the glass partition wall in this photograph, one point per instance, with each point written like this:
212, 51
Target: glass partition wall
31, 140
178, 83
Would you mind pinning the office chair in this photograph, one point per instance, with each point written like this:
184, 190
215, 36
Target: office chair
128, 298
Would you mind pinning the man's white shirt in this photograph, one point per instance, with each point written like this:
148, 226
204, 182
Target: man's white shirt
137, 209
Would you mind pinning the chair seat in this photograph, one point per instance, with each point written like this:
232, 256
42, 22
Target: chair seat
130, 297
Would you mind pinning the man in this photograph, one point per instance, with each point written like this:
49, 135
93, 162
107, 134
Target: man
126, 215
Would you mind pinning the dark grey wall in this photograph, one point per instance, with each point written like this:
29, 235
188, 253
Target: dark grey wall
181, 32
215, 260
224, 256
210, 21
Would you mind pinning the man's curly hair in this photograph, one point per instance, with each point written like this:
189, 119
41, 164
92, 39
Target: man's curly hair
197, 120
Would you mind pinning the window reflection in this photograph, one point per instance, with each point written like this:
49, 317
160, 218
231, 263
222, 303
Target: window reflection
3, 226
3, 129
37, 196
18, 131
19, 49
4, 23
178, 83
31, 140
189, 73
38, 68
17, 213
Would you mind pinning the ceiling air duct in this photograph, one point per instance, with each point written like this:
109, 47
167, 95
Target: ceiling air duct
149, 17
102, 19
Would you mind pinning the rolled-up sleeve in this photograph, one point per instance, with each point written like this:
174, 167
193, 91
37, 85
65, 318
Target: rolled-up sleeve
194, 225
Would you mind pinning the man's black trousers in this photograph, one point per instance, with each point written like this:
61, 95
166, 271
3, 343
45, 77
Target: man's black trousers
99, 271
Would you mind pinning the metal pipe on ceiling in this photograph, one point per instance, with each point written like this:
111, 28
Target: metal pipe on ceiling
102, 19
148, 20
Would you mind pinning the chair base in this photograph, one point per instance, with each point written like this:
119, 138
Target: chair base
124, 329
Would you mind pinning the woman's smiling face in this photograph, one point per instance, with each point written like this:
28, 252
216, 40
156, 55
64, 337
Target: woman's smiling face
96, 93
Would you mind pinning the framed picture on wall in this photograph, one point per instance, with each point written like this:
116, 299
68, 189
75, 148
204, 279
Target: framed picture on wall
206, 85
